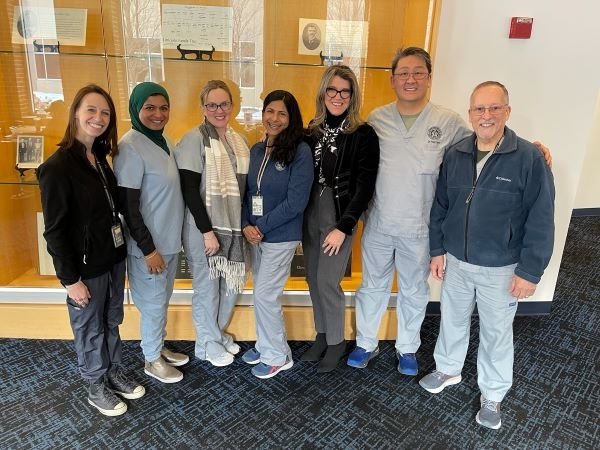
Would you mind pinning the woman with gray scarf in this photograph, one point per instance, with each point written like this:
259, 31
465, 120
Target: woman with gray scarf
213, 163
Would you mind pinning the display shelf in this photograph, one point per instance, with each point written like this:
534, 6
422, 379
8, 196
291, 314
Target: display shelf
297, 64
38, 84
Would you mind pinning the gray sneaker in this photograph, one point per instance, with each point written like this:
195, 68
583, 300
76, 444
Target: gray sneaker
105, 400
489, 414
124, 386
436, 381
162, 371
174, 359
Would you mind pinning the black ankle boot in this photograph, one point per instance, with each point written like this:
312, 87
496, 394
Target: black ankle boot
332, 357
316, 349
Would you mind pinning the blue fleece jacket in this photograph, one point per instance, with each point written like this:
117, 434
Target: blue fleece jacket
285, 190
505, 216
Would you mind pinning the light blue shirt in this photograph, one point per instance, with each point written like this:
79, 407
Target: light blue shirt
143, 165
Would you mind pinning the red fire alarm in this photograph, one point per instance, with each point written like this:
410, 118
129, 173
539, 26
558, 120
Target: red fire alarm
520, 27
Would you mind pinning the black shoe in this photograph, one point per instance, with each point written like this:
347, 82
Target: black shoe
333, 356
316, 350
105, 400
124, 386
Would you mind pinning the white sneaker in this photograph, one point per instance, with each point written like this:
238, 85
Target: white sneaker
233, 348
222, 360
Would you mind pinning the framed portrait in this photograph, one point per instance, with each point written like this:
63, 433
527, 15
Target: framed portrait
30, 151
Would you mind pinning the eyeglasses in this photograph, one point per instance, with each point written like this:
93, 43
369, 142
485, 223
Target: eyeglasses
212, 107
415, 75
332, 92
494, 110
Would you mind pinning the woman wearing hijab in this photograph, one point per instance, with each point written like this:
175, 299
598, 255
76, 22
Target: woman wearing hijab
153, 209
279, 181
85, 239
213, 163
346, 158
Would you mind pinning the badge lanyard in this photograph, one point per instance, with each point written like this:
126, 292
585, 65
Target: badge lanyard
257, 200
117, 231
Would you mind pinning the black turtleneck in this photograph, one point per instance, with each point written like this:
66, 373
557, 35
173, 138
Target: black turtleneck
335, 121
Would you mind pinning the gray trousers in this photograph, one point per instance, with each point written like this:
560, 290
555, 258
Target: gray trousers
464, 285
271, 268
96, 327
324, 273
381, 255
212, 306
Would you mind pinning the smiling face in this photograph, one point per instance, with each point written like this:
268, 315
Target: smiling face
337, 105
154, 114
489, 127
92, 118
218, 118
275, 118
411, 92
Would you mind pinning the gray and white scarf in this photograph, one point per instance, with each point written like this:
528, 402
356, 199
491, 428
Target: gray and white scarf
224, 193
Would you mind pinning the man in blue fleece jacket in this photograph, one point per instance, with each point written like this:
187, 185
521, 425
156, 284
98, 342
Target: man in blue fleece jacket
493, 219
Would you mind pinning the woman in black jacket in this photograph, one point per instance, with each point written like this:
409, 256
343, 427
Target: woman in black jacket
346, 157
85, 240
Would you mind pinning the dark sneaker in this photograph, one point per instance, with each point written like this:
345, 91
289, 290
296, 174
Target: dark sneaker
407, 364
124, 386
174, 359
105, 400
251, 356
436, 381
489, 414
265, 371
359, 358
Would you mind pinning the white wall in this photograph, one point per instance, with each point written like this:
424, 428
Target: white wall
588, 193
553, 80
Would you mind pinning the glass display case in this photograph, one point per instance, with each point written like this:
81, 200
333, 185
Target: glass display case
50, 48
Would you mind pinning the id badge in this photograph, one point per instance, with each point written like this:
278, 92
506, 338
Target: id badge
257, 205
117, 234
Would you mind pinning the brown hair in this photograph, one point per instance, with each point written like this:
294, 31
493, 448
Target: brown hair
109, 137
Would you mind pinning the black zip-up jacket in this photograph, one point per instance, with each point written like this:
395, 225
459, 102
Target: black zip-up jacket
354, 174
77, 215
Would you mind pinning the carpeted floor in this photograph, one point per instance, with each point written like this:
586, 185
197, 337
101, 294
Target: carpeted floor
554, 403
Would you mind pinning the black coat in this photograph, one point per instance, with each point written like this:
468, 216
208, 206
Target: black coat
77, 215
354, 175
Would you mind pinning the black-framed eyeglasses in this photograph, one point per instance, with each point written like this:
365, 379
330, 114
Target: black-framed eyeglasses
212, 107
332, 92
416, 75
494, 110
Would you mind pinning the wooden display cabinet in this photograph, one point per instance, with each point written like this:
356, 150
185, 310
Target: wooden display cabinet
123, 46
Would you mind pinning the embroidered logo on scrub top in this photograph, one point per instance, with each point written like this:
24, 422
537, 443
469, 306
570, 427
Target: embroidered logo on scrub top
280, 166
434, 134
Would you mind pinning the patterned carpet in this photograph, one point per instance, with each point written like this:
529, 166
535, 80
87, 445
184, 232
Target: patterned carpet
554, 403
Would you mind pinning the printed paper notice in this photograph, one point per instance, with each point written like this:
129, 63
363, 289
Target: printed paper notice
197, 27
65, 25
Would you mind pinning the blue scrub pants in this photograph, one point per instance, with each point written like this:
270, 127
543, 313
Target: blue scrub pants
212, 307
271, 268
381, 254
151, 294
